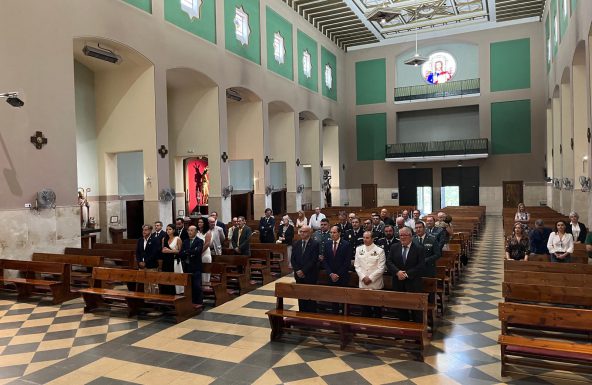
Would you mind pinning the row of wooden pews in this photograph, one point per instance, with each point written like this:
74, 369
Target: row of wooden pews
546, 317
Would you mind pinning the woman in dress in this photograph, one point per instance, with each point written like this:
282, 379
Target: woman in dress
518, 246
203, 233
301, 220
577, 229
521, 215
560, 243
171, 245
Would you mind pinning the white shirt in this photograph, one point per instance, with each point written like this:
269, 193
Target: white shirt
575, 230
217, 240
300, 223
315, 220
410, 222
370, 262
560, 244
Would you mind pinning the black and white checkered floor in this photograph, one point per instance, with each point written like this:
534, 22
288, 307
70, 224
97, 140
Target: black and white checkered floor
45, 344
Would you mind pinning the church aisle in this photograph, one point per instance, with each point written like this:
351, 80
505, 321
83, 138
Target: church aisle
230, 344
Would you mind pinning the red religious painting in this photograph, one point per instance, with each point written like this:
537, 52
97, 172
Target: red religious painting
197, 185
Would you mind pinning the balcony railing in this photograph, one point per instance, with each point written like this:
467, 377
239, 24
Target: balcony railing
431, 151
458, 88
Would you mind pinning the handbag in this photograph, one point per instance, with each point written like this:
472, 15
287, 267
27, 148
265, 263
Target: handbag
178, 268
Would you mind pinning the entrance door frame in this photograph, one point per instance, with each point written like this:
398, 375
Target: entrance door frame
369, 201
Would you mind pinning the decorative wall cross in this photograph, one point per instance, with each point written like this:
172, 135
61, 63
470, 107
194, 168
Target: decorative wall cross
163, 151
38, 140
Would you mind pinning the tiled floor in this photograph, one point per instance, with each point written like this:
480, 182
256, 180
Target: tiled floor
43, 344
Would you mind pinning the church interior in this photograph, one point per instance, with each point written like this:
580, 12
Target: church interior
125, 113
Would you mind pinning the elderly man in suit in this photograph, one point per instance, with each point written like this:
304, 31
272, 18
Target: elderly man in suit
190, 255
241, 237
431, 247
432, 229
406, 262
369, 264
337, 261
305, 263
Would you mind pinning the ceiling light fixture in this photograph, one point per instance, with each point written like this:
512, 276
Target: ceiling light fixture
383, 15
101, 54
417, 59
12, 99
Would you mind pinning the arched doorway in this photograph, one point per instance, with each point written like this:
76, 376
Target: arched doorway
282, 149
310, 158
331, 163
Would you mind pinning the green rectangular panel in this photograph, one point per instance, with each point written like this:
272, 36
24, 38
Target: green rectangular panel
308, 45
275, 24
371, 136
510, 65
329, 73
145, 5
511, 127
371, 82
574, 5
250, 48
200, 22
554, 26
563, 16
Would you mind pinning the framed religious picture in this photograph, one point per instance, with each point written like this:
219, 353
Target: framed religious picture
197, 185
114, 219
180, 213
440, 68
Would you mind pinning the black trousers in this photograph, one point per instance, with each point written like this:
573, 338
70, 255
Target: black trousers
168, 266
196, 293
304, 304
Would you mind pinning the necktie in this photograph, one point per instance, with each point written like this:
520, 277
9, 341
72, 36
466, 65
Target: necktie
334, 247
303, 246
240, 231
404, 254
421, 240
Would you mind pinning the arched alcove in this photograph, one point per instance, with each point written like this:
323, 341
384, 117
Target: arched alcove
194, 141
567, 153
580, 125
310, 157
331, 164
555, 153
245, 151
282, 149
116, 135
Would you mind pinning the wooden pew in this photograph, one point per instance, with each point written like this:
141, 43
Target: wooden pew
580, 259
30, 279
409, 336
564, 268
115, 246
217, 287
548, 278
260, 265
280, 255
120, 258
552, 347
558, 295
94, 297
237, 270
81, 265
430, 286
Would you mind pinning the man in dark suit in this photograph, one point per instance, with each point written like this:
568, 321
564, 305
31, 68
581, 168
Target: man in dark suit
190, 255
148, 255
266, 227
406, 262
337, 261
343, 223
220, 223
305, 263
431, 247
148, 250
180, 227
241, 237
431, 229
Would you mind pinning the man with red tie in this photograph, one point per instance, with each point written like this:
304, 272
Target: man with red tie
337, 261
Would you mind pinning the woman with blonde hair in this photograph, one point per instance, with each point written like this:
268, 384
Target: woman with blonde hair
301, 220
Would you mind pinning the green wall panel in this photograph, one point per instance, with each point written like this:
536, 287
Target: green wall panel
305, 42
563, 17
511, 127
574, 4
252, 50
204, 26
371, 136
328, 58
510, 65
276, 23
145, 5
555, 34
371, 82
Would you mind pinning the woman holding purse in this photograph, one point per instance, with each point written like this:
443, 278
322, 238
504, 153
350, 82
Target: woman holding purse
171, 245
